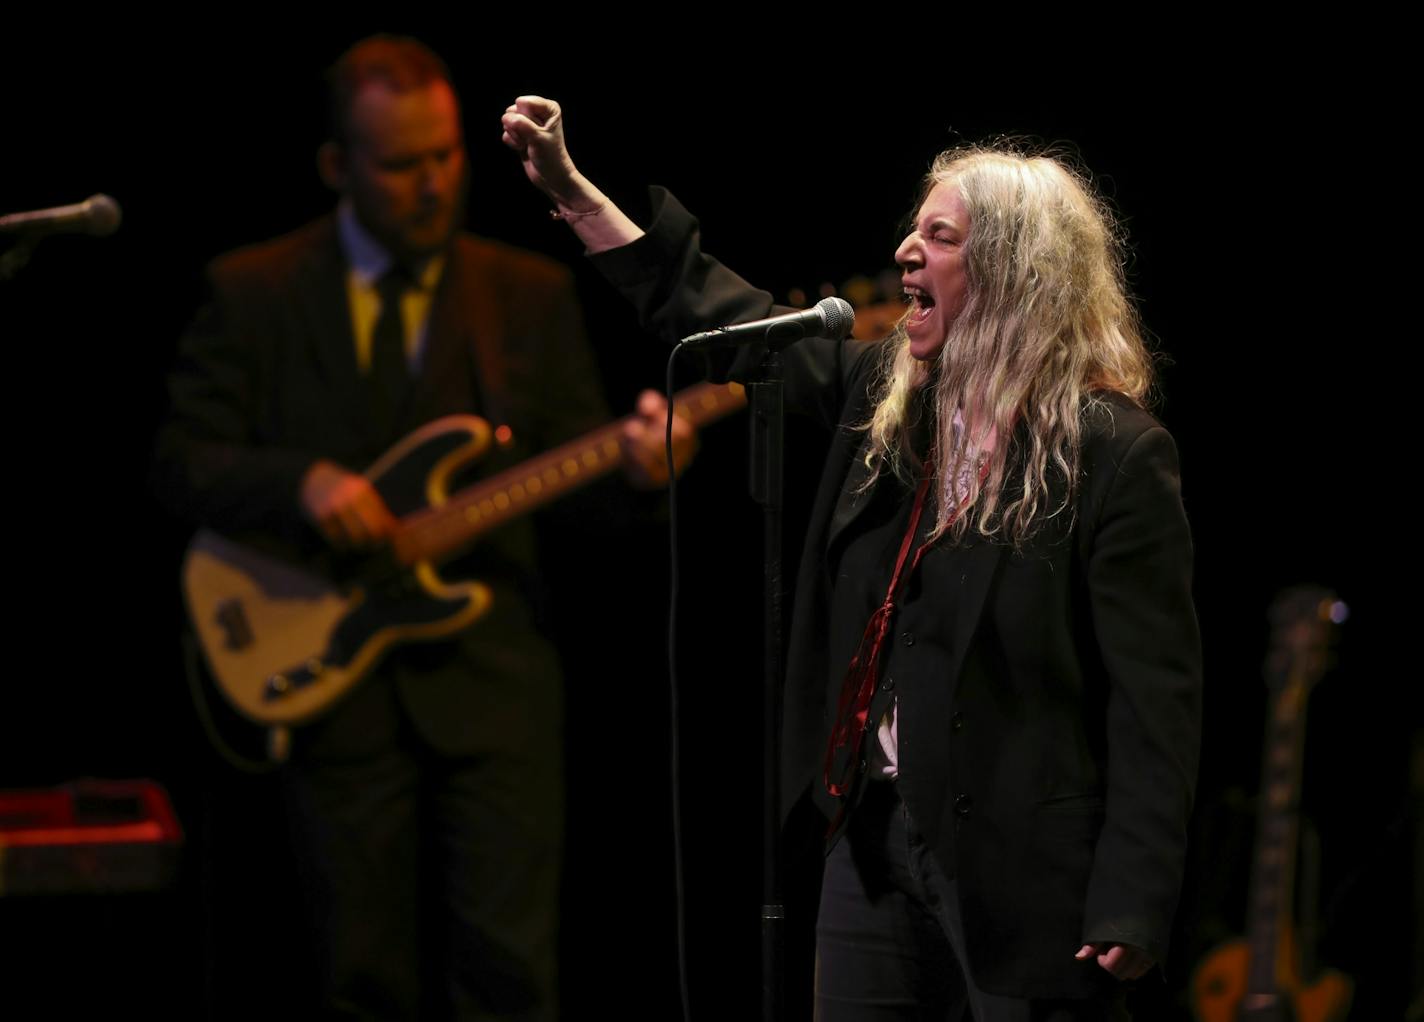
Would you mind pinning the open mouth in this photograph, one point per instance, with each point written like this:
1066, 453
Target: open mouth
921, 304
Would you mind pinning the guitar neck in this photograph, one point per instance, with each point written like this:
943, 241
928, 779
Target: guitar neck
438, 533
1277, 829
1303, 625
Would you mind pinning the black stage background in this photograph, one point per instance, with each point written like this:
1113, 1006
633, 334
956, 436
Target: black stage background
1233, 173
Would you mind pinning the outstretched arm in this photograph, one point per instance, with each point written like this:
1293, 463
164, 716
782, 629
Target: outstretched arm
533, 127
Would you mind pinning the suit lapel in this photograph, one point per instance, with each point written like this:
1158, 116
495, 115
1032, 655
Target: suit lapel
975, 565
972, 565
463, 364
321, 296
853, 497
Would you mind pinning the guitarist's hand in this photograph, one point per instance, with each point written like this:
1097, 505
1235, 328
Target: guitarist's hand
1122, 960
345, 507
644, 443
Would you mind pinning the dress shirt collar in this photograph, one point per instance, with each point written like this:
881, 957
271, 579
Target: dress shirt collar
368, 260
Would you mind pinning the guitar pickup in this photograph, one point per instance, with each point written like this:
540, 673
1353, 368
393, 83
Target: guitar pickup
232, 619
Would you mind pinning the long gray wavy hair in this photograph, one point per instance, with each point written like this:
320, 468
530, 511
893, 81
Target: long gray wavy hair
1046, 328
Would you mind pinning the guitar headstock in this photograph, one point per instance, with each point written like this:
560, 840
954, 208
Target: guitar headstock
1304, 621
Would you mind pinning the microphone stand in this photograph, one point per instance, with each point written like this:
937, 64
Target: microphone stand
832, 317
766, 484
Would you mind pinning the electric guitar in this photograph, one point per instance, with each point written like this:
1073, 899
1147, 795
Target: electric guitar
283, 642
1258, 978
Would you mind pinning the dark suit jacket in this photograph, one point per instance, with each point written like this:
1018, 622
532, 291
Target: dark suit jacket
267, 382
1049, 697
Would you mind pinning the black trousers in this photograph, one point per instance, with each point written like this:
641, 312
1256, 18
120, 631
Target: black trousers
432, 880
890, 944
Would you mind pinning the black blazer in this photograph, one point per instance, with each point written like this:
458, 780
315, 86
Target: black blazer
1049, 697
266, 382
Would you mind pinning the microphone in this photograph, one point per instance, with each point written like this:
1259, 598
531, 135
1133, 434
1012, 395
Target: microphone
98, 215
832, 317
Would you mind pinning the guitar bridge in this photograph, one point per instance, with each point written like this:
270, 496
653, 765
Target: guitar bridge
279, 685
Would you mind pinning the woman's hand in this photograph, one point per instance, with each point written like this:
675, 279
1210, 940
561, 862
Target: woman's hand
534, 128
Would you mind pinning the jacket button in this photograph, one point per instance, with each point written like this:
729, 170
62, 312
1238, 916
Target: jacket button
956, 721
908, 638
962, 805
887, 685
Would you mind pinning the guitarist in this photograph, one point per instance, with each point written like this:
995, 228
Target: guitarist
317, 352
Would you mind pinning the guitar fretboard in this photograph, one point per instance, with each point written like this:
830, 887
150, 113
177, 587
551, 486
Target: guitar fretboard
437, 533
